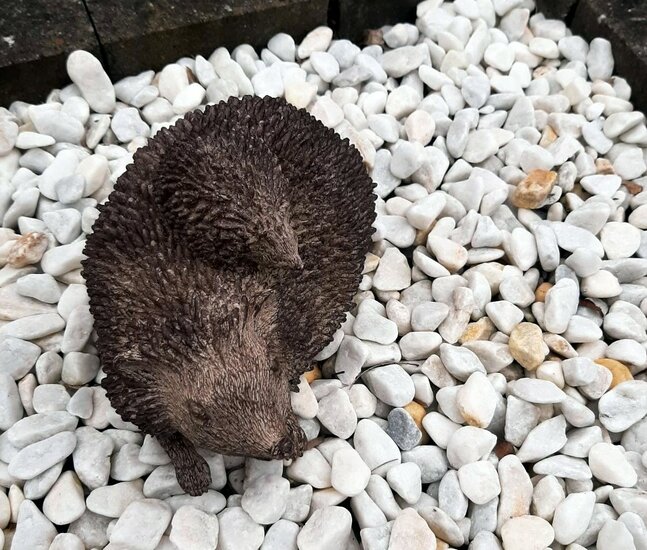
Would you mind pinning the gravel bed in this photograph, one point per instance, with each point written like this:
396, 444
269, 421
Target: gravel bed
489, 388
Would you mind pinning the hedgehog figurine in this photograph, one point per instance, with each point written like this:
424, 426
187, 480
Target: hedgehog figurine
223, 262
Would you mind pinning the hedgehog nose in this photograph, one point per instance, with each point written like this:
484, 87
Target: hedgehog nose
285, 447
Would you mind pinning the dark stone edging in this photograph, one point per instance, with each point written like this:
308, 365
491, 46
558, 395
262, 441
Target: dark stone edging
132, 35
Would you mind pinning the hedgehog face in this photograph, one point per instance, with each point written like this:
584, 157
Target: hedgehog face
248, 415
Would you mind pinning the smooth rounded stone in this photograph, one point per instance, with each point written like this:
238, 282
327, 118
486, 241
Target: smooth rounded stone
92, 457
32, 140
609, 465
393, 271
363, 401
419, 345
504, 315
377, 449
635, 525
561, 304
350, 475
572, 516
599, 59
479, 481
126, 465
17, 356
477, 400
411, 532
281, 535
8, 136
620, 240
460, 362
440, 428
375, 328
127, 125
37, 427
33, 327
387, 127
77, 331
544, 440
328, 528
420, 126
521, 418
469, 444
79, 368
316, 40
112, 500
517, 291
57, 124
536, 391
547, 494
11, 409
67, 541
58, 261
527, 345
623, 406
81, 403
580, 329
311, 468
86, 72
516, 489
282, 45
528, 532
448, 253
584, 262
571, 237
407, 158
304, 403
390, 384
405, 480
192, 528
265, 499
33, 529
50, 397
579, 371
564, 466
142, 525
41, 287
65, 501
401, 61
38, 457
614, 534
403, 429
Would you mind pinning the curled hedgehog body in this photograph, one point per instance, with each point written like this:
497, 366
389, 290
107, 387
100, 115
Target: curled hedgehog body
223, 262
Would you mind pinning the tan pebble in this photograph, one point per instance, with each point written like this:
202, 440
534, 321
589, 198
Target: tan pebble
547, 137
620, 372
417, 412
442, 545
632, 188
28, 249
604, 166
540, 293
421, 237
531, 192
527, 345
313, 375
370, 263
480, 330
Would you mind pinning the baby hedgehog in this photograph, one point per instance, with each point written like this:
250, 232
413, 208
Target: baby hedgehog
224, 261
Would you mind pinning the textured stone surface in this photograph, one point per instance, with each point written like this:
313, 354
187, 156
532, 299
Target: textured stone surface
137, 35
37, 36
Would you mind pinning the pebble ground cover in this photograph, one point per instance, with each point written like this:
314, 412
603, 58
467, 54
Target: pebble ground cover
488, 390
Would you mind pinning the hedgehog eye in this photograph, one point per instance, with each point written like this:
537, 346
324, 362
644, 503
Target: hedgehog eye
198, 411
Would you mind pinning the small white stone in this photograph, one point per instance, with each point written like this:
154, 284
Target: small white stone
609, 465
265, 499
529, 532
65, 501
316, 40
350, 475
328, 528
142, 525
86, 72
193, 528
479, 481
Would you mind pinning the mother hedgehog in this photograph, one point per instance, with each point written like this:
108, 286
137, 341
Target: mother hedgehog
223, 262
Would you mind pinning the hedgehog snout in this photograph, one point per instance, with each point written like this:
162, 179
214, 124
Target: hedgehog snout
291, 445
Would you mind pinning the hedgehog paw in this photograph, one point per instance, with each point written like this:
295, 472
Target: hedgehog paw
194, 477
192, 471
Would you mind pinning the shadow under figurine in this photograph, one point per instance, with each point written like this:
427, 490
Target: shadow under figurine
223, 262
